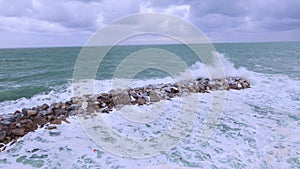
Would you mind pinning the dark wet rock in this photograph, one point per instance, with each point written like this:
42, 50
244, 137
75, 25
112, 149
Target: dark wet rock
65, 120
61, 116
133, 93
39, 108
55, 121
174, 90
10, 117
50, 127
110, 105
40, 121
5, 123
18, 132
7, 130
59, 112
2, 135
105, 110
45, 106
170, 95
8, 139
55, 106
17, 112
24, 112
25, 121
50, 117
30, 126
105, 98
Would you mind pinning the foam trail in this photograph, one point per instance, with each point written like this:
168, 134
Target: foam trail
259, 128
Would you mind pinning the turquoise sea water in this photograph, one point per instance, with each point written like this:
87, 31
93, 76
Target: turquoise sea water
26, 72
259, 128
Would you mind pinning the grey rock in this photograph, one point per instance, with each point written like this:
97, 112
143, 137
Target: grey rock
174, 89
32, 112
5, 123
18, 132
141, 101
43, 112
40, 121
50, 127
24, 111
60, 111
45, 106
55, 121
2, 135
155, 96
74, 107
121, 97
26, 121
72, 113
74, 100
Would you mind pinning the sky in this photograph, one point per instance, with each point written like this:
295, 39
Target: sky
43, 23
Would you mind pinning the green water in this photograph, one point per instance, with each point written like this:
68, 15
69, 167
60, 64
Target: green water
26, 72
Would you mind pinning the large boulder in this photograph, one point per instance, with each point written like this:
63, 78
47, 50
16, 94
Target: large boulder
59, 112
32, 112
2, 135
141, 101
155, 96
121, 97
30, 126
18, 132
40, 121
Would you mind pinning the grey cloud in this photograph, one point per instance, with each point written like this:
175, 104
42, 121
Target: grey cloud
218, 19
81, 15
217, 22
279, 24
239, 15
87, 1
69, 14
232, 8
205, 7
15, 8
114, 9
275, 9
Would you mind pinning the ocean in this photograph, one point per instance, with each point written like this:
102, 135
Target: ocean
258, 128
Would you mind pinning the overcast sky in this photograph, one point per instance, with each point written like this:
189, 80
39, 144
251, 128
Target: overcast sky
36, 23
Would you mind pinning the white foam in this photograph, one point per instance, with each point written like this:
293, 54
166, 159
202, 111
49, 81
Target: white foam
61, 93
259, 128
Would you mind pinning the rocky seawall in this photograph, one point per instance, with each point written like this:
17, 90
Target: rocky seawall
17, 124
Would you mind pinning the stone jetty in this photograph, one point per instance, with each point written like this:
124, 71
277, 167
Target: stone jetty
17, 124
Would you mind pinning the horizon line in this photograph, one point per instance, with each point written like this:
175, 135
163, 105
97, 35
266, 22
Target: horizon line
75, 46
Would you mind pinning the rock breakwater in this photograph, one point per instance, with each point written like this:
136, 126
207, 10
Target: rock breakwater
17, 124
